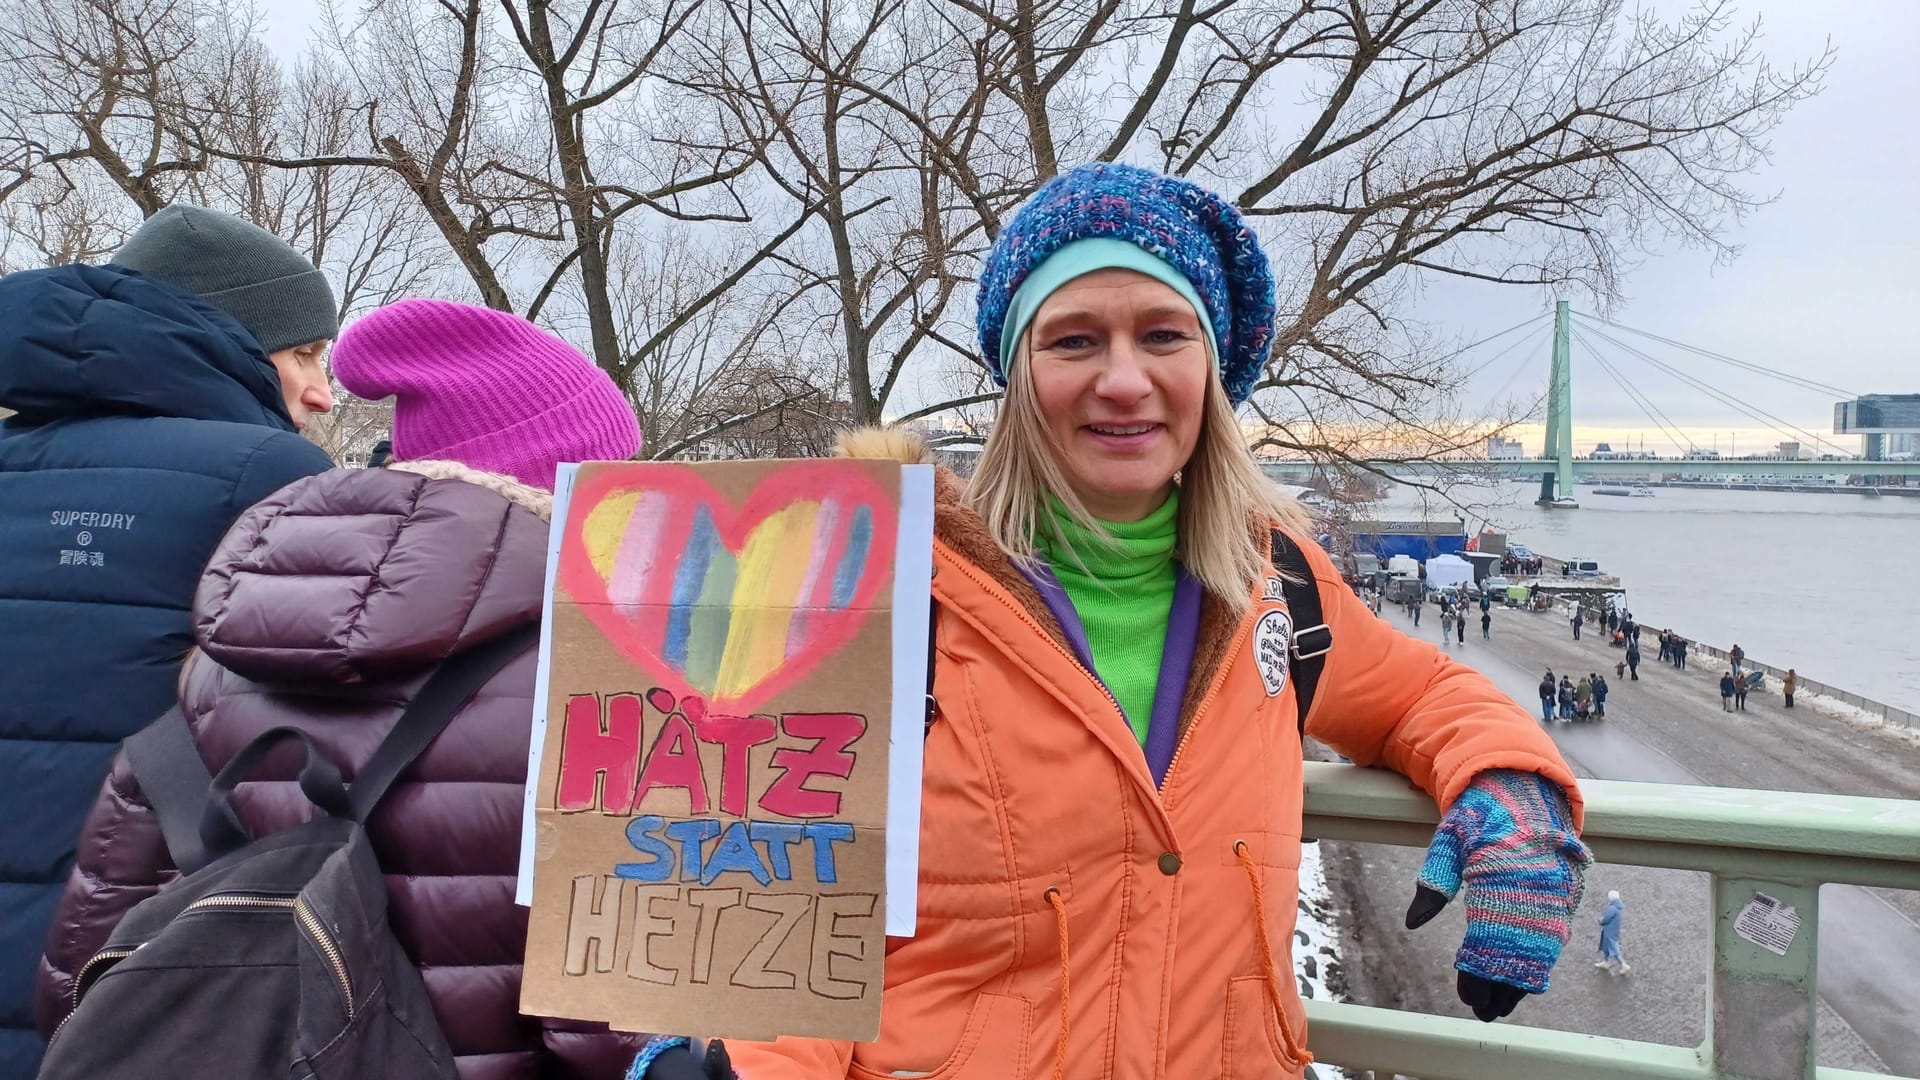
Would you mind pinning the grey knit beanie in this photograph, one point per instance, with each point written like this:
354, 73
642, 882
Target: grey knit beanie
238, 267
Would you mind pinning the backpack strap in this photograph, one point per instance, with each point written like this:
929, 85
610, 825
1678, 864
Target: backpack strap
933, 707
167, 764
446, 693
1312, 638
177, 783
1310, 641
221, 830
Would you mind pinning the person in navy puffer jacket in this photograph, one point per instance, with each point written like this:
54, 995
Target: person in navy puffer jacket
154, 399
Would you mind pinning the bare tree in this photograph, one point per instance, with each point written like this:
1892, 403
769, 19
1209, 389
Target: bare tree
350, 432
1526, 142
90, 84
706, 192
112, 110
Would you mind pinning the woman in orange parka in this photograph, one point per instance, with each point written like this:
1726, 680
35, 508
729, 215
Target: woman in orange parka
1110, 831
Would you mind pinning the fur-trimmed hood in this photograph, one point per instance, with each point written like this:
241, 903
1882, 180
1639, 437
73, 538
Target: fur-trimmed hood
956, 526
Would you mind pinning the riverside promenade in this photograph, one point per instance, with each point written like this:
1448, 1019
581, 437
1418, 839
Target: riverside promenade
1667, 727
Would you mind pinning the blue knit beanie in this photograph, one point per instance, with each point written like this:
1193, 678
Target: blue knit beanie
1192, 229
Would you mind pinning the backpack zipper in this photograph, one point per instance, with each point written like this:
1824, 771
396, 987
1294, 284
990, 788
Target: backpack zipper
309, 923
80, 980
322, 940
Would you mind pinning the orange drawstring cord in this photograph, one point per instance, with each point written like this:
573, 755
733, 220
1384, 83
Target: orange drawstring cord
1059, 905
1294, 1050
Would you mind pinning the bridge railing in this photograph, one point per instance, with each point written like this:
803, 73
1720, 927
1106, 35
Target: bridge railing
1760, 1006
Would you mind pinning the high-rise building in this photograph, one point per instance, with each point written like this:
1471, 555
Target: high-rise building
1874, 417
1500, 449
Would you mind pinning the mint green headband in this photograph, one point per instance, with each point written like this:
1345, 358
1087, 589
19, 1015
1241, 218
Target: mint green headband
1083, 257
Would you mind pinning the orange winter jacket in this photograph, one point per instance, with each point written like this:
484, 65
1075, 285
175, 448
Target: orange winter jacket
1066, 907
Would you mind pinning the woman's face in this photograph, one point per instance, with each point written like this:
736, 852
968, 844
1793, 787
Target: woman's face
1120, 372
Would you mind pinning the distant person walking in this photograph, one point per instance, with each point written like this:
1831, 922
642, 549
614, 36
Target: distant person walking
1548, 691
1680, 652
1726, 691
1611, 957
1486, 625
1739, 690
1583, 698
1460, 623
1578, 618
1413, 608
1737, 657
1566, 698
1599, 696
1666, 646
1446, 625
1633, 658
1789, 684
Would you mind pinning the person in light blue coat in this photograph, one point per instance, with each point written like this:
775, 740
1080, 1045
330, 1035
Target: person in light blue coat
1610, 956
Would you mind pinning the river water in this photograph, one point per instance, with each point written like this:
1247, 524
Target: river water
1827, 584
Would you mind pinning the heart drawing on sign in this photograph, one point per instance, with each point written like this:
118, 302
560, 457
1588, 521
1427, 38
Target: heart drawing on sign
735, 603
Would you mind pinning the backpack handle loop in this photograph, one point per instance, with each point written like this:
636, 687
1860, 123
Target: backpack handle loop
220, 828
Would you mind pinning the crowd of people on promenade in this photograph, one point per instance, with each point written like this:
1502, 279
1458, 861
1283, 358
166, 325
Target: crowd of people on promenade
1623, 632
193, 597
1584, 700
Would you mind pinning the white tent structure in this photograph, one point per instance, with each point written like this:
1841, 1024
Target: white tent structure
1446, 571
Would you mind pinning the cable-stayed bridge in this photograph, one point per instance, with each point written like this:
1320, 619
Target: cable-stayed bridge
1606, 343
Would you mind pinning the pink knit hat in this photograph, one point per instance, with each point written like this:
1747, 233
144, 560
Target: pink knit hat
485, 388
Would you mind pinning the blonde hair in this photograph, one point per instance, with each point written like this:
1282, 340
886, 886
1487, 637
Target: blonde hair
1226, 502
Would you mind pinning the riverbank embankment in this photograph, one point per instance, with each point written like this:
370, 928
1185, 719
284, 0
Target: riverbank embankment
1666, 727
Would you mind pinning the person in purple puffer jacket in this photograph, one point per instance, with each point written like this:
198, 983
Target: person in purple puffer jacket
329, 604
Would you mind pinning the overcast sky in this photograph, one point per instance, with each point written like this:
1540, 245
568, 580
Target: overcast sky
1824, 286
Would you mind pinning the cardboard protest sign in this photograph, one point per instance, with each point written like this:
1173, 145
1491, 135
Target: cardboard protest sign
711, 807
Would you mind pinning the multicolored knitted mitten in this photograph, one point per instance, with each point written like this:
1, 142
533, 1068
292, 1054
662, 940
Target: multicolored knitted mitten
1510, 839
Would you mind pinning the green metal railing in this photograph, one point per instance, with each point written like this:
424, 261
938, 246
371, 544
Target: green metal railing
1760, 1006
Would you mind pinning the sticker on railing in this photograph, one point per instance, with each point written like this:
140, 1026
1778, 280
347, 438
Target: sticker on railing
1768, 923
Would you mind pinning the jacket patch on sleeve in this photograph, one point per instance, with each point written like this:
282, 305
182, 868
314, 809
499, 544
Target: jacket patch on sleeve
1272, 636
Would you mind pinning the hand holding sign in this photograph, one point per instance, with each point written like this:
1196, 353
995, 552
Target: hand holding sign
684, 1062
710, 816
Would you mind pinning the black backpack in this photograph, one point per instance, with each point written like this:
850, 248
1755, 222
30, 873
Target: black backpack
270, 957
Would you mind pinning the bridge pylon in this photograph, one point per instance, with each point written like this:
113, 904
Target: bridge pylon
1556, 487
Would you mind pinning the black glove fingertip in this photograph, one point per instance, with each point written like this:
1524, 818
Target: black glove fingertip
1488, 999
1427, 903
674, 1064
719, 1065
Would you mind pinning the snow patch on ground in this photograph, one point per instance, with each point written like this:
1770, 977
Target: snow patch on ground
1857, 717
1315, 940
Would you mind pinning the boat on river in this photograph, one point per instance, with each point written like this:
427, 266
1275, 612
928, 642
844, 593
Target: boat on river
1641, 492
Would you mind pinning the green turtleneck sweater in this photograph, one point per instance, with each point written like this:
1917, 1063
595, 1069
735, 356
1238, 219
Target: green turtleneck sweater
1123, 596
